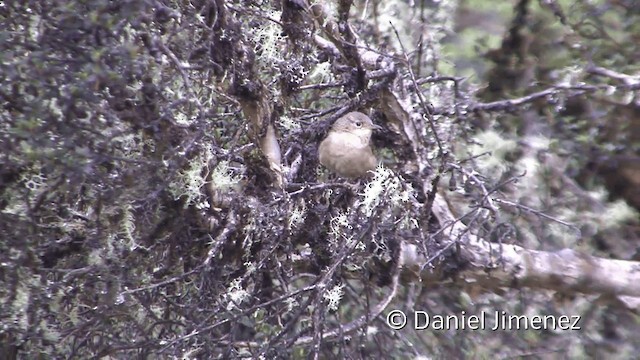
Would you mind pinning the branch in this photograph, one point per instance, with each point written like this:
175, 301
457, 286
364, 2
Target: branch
503, 265
631, 82
511, 104
494, 266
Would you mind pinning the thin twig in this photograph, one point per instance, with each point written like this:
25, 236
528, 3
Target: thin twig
537, 212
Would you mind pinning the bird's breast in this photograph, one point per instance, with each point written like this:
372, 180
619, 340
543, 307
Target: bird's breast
348, 156
347, 140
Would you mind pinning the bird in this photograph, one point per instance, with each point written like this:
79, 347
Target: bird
346, 150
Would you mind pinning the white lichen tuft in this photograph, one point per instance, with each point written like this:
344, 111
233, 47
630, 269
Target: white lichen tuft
35, 181
268, 38
235, 295
250, 267
334, 296
222, 178
292, 303
338, 224
128, 227
383, 184
190, 181
18, 315
498, 147
619, 212
289, 124
298, 214
322, 72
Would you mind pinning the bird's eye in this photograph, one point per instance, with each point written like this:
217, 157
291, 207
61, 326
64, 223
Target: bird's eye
358, 124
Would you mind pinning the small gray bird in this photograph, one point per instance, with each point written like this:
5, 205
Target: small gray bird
347, 150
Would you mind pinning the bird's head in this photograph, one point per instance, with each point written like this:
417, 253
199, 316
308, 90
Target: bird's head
355, 123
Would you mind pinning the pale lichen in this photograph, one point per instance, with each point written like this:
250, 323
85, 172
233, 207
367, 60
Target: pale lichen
334, 296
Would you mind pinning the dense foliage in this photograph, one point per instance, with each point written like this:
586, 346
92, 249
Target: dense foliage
160, 194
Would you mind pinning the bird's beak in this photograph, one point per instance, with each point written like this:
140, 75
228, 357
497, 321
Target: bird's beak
376, 127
